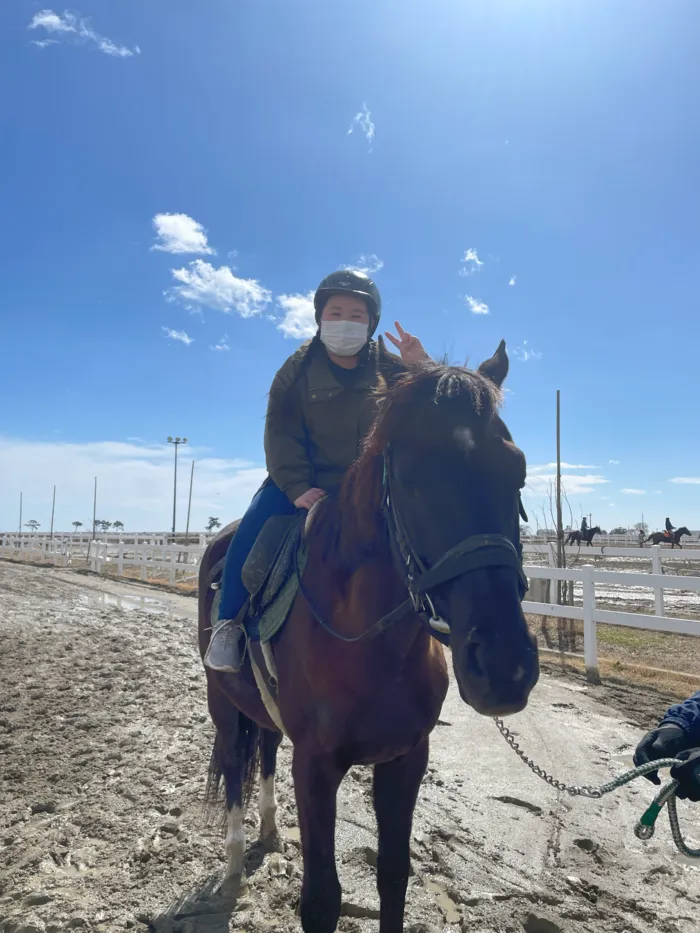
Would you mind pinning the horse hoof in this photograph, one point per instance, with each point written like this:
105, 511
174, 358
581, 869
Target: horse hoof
273, 842
233, 886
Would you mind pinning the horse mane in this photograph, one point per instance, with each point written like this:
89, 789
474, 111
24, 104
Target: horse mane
349, 526
428, 381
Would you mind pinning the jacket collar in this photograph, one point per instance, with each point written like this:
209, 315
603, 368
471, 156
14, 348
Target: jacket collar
320, 377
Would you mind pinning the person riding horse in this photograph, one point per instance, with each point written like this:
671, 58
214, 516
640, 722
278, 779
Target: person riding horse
584, 527
322, 404
669, 527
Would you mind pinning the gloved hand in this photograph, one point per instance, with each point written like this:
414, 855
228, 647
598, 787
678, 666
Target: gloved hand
664, 742
688, 775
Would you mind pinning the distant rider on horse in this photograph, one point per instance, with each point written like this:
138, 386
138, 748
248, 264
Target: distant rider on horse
322, 404
584, 527
669, 528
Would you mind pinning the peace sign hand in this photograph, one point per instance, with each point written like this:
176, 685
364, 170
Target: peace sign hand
410, 347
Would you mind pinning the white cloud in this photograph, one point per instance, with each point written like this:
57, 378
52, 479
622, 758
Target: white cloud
134, 483
179, 233
363, 122
539, 484
222, 344
471, 263
545, 467
475, 306
526, 353
44, 43
202, 284
298, 321
368, 264
614, 462
178, 335
686, 480
72, 26
52, 22
511, 280
633, 492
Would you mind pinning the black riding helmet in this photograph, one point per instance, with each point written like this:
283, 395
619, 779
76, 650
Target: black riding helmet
350, 282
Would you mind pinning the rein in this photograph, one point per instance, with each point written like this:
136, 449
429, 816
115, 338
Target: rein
472, 553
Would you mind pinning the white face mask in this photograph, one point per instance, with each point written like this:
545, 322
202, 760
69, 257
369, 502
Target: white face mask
344, 338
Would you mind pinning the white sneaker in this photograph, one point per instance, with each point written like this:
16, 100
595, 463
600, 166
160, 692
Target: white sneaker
227, 647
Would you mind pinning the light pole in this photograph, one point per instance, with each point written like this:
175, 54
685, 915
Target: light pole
176, 441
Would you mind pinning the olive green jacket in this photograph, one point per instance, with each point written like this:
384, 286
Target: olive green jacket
315, 426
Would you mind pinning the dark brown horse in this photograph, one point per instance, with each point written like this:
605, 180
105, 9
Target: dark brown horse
674, 539
578, 537
426, 520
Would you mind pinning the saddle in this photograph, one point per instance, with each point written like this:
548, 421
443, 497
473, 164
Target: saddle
270, 576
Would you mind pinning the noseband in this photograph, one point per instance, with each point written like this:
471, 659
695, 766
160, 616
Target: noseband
472, 553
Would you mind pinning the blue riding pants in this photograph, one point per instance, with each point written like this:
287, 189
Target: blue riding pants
269, 500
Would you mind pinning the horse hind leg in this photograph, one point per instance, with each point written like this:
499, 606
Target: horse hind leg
267, 801
234, 758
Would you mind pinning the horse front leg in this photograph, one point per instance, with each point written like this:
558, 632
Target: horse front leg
396, 786
317, 778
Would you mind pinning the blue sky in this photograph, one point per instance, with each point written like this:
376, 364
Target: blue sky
188, 168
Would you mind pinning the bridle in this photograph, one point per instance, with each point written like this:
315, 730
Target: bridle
472, 553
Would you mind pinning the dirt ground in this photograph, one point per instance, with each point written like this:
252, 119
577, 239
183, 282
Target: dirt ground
104, 746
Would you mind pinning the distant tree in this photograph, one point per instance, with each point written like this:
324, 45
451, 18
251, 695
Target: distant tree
101, 525
641, 526
77, 525
525, 530
619, 531
32, 524
118, 526
213, 523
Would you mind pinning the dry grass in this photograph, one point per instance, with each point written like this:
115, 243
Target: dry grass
186, 587
662, 660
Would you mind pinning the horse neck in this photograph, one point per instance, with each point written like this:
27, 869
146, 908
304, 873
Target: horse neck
350, 558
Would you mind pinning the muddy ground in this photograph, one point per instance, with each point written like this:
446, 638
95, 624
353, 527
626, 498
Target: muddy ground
104, 746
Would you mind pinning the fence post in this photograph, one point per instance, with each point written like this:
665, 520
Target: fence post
657, 567
172, 569
120, 561
143, 563
590, 646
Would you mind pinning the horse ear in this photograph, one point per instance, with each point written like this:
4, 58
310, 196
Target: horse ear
496, 369
391, 366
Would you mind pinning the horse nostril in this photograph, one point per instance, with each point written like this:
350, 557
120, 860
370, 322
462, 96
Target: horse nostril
472, 658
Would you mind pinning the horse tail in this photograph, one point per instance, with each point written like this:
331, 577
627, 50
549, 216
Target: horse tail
234, 758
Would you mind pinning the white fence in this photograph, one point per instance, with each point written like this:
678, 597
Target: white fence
588, 613
629, 540
155, 558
